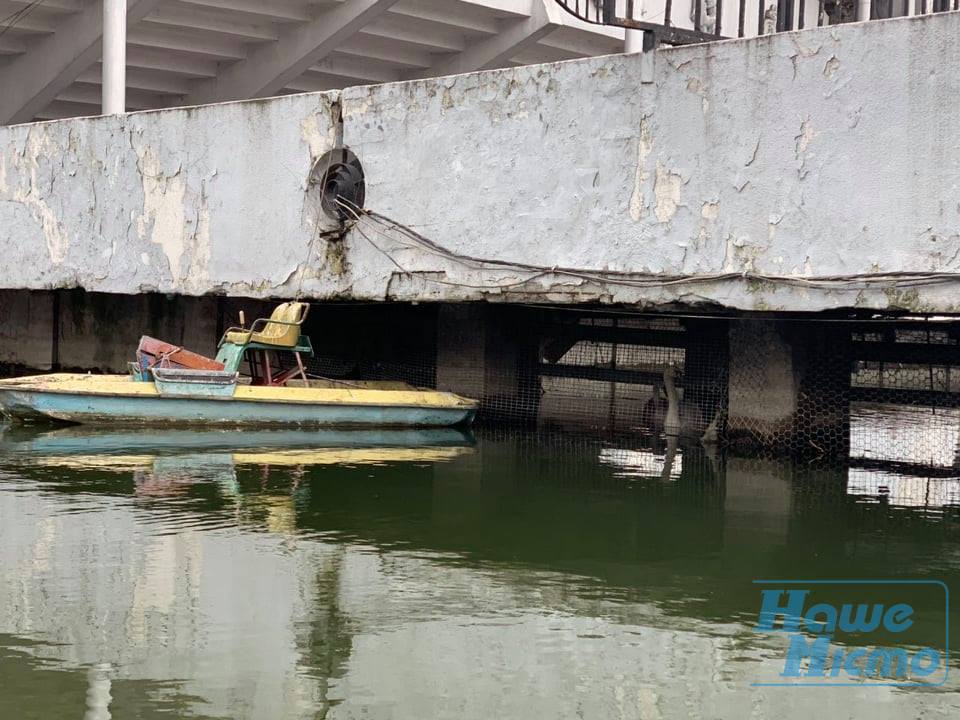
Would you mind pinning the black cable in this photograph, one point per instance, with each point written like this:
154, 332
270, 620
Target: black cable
898, 278
17, 16
4, 21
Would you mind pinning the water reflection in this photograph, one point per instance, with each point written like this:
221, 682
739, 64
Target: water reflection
921, 436
428, 574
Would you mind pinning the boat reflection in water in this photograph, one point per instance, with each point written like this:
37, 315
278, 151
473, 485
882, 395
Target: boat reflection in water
172, 463
87, 446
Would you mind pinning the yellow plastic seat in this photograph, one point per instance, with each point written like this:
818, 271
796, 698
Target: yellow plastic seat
281, 330
238, 337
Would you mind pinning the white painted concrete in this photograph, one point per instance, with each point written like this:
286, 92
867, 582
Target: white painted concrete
801, 154
633, 41
114, 56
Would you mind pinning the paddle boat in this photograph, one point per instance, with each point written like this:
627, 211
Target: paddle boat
169, 385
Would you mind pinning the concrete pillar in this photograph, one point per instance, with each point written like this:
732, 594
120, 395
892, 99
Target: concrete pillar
488, 353
114, 78
512, 379
633, 41
639, 41
823, 356
461, 349
26, 330
764, 386
788, 388
100, 331
704, 374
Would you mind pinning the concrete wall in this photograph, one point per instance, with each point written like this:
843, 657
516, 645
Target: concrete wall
188, 201
829, 151
102, 331
26, 329
789, 387
75, 330
764, 383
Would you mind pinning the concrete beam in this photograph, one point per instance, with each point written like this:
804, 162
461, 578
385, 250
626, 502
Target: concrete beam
497, 50
168, 41
152, 81
12, 46
150, 58
212, 20
285, 11
35, 78
26, 329
747, 167
269, 67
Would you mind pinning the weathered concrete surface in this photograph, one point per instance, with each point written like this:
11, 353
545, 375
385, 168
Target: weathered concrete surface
824, 152
102, 331
99, 331
764, 384
191, 201
789, 387
26, 329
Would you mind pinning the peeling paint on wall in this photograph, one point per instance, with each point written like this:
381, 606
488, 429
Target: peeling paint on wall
30, 192
784, 154
831, 66
638, 205
666, 192
319, 134
190, 201
163, 218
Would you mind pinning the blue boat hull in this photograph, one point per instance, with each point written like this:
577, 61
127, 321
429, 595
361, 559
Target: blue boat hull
33, 406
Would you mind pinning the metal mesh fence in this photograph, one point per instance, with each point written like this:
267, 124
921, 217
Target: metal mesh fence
905, 395
877, 392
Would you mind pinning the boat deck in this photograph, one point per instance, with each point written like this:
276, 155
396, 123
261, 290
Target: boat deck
395, 394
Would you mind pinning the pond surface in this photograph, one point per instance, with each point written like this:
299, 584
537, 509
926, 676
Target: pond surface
435, 575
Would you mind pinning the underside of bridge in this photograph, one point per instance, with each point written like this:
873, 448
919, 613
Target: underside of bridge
880, 390
188, 52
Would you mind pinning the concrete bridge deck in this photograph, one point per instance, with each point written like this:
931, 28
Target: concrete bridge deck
745, 174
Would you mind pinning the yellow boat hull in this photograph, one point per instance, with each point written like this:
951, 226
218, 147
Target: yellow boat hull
106, 399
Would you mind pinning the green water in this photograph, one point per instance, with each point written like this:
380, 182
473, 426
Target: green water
435, 575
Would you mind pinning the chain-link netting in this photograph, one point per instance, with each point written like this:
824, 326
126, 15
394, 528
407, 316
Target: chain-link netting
905, 395
553, 369
880, 392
